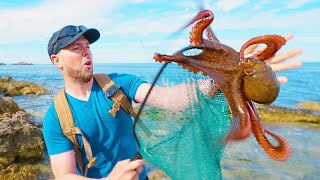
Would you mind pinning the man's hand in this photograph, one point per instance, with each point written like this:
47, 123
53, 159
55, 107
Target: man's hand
274, 61
126, 170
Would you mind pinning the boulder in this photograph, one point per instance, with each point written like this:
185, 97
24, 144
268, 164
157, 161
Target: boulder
21, 143
15, 88
281, 114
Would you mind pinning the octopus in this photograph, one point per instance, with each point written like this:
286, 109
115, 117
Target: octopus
243, 80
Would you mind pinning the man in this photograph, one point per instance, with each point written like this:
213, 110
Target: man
111, 138
69, 50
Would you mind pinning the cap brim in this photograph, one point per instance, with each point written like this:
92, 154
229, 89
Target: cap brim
92, 35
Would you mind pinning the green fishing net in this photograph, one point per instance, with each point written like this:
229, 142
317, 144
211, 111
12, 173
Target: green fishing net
187, 135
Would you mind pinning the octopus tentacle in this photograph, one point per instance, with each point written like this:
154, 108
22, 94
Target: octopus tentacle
280, 152
211, 35
241, 125
205, 17
273, 42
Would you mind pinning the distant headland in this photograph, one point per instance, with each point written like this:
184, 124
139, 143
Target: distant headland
18, 63
22, 63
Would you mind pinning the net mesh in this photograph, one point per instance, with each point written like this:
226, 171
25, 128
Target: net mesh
187, 133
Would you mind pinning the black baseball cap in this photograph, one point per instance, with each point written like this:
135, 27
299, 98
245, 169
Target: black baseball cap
68, 34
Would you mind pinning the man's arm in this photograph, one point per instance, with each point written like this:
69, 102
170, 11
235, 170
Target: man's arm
169, 98
64, 167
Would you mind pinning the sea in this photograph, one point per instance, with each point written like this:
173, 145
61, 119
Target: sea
241, 160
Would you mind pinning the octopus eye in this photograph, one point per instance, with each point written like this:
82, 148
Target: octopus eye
192, 52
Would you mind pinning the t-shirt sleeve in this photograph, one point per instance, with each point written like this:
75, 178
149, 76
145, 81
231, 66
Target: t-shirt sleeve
56, 142
129, 84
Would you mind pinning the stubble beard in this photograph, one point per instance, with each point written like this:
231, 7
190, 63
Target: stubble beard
78, 75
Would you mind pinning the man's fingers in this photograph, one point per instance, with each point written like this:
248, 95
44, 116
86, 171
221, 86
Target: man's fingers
284, 56
282, 79
253, 47
139, 170
250, 49
285, 66
133, 165
288, 36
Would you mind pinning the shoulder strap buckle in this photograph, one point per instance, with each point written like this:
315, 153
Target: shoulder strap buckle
112, 90
116, 106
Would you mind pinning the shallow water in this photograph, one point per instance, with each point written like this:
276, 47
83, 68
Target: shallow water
247, 160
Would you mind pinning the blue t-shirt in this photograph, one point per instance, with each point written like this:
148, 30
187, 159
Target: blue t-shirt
111, 138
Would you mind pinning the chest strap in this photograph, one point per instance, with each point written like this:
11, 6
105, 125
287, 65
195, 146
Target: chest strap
119, 98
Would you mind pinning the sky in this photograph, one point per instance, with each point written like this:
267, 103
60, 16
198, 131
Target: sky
133, 30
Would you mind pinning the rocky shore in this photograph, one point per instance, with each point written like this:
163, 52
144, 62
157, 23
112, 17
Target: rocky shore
15, 88
2, 63
281, 114
21, 143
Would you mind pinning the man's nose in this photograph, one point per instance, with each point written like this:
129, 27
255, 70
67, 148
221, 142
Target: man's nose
86, 52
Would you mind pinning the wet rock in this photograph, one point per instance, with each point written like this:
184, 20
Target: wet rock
7, 105
21, 141
26, 171
309, 105
281, 114
158, 175
15, 88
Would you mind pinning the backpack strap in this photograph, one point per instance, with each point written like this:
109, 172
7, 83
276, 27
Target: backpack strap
114, 92
67, 125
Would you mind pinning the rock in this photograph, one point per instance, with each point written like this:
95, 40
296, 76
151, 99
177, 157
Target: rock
281, 114
15, 88
22, 63
21, 141
6, 79
2, 63
309, 105
158, 175
27, 171
7, 105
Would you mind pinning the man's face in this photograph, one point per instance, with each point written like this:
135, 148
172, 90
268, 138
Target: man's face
76, 60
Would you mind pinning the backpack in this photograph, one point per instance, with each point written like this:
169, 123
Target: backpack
61, 105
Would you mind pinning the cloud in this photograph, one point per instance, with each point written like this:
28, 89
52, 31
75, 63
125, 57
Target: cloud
269, 20
295, 4
135, 51
38, 22
138, 1
228, 5
259, 4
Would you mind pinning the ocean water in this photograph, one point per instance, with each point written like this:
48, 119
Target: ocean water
244, 160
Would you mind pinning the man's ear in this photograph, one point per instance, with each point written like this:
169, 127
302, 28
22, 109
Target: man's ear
56, 60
